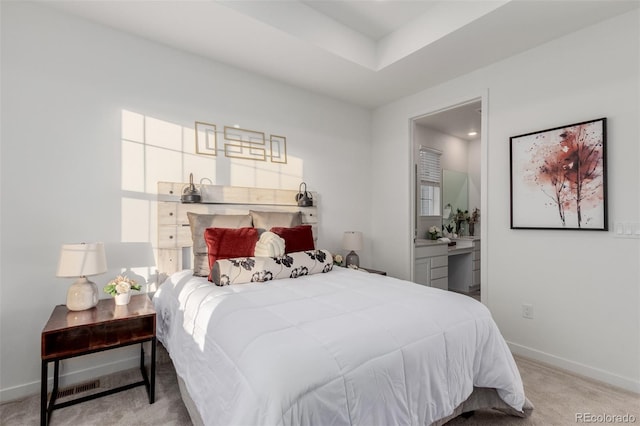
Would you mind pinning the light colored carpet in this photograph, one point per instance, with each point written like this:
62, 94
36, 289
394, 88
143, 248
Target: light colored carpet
127, 408
558, 398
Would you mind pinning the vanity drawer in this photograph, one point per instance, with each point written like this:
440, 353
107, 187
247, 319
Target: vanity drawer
437, 273
476, 265
476, 278
431, 250
439, 261
441, 283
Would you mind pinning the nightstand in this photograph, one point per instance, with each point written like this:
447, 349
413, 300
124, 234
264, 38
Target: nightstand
68, 334
374, 271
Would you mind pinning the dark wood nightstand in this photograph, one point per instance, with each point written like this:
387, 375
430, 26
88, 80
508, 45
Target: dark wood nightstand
68, 334
374, 271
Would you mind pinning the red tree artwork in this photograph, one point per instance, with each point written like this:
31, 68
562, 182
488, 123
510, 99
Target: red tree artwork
567, 165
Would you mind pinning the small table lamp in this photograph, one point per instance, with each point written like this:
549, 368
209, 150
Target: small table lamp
352, 240
82, 260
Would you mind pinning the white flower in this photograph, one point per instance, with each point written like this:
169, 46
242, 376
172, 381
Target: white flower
123, 287
433, 230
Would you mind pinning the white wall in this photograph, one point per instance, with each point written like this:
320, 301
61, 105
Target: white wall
584, 286
93, 118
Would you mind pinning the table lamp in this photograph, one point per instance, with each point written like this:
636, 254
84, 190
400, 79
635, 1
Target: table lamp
352, 240
82, 260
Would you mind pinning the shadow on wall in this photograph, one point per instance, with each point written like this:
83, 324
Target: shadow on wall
155, 150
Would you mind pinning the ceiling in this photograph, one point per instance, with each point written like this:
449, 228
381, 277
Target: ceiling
366, 52
458, 121
374, 19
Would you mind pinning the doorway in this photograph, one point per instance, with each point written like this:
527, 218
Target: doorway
458, 132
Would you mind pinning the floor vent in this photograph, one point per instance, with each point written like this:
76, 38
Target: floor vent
82, 387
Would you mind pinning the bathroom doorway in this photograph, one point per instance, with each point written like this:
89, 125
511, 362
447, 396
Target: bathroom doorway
456, 133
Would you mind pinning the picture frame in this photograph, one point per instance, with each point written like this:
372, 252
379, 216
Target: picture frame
559, 178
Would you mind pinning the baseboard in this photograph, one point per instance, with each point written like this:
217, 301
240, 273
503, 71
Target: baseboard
32, 388
576, 367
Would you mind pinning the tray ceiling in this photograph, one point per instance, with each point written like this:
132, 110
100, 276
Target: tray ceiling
364, 52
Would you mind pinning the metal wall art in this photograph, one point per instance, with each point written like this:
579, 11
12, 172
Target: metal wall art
206, 141
240, 143
559, 178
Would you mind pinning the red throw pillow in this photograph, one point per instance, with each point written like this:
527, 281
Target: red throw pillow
228, 243
298, 238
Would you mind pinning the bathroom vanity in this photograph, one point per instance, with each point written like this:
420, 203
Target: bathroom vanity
455, 268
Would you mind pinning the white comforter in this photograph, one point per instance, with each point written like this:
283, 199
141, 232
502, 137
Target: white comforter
340, 348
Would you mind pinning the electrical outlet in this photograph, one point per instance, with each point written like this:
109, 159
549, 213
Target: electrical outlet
527, 311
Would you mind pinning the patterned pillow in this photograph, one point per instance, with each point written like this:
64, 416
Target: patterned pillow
199, 223
261, 269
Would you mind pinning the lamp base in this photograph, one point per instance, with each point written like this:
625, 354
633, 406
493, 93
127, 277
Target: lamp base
352, 259
82, 294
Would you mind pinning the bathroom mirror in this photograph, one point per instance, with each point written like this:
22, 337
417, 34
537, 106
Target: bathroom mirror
455, 193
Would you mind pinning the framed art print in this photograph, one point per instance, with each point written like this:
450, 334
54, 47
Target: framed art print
559, 178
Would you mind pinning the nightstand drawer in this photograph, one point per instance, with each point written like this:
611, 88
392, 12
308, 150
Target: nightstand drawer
71, 341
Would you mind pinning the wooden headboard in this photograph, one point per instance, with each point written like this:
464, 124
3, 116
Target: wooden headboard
174, 233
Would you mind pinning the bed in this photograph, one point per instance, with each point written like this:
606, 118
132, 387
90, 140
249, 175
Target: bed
336, 347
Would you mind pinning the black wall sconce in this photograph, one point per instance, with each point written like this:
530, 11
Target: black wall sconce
190, 193
304, 198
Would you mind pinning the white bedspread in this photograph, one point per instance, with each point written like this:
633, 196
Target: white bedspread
340, 348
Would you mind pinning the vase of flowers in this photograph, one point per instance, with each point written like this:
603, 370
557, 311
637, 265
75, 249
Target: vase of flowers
433, 233
337, 259
120, 288
461, 218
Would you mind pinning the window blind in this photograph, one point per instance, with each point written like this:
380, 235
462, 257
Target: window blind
429, 177
430, 170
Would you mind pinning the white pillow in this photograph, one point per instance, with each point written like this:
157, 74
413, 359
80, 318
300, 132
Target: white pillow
269, 245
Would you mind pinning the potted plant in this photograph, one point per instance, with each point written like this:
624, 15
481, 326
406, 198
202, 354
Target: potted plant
449, 230
120, 288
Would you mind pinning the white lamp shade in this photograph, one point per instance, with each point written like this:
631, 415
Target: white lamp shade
352, 240
82, 260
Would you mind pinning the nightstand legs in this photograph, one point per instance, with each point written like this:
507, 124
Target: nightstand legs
47, 406
152, 384
43, 393
149, 382
45, 411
